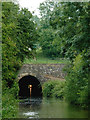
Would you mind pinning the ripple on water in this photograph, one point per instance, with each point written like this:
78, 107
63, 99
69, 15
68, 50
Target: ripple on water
31, 114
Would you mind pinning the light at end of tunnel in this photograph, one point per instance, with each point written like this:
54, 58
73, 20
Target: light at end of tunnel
29, 86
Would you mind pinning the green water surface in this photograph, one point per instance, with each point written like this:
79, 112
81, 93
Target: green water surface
49, 108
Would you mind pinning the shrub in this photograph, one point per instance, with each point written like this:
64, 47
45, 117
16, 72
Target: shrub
76, 91
54, 88
9, 101
58, 90
9, 105
83, 99
47, 88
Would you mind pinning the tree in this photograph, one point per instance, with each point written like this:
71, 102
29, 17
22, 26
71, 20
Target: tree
68, 23
72, 22
10, 61
26, 32
18, 35
47, 35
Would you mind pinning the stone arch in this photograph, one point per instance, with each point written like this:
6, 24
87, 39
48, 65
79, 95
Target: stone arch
24, 82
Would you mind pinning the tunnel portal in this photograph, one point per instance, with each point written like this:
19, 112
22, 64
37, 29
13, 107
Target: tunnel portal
24, 90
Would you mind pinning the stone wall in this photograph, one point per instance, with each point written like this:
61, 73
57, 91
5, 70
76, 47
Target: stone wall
43, 72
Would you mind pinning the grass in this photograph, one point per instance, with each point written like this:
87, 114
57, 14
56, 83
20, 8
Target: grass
41, 59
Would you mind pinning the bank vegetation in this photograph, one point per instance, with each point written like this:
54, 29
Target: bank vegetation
61, 32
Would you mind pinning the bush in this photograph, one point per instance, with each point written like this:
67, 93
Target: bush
9, 101
83, 99
9, 105
47, 88
54, 88
76, 91
59, 90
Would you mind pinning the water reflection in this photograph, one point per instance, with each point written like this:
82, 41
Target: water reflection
49, 108
28, 108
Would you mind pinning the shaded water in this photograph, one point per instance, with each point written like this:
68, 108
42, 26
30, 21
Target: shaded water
49, 108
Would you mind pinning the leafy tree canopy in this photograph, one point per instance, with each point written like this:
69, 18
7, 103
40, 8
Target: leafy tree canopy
18, 35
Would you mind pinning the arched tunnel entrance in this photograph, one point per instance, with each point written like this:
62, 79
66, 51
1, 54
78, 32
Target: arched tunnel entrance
24, 90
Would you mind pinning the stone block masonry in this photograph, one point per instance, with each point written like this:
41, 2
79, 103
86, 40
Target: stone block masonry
43, 72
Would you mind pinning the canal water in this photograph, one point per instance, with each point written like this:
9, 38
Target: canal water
49, 108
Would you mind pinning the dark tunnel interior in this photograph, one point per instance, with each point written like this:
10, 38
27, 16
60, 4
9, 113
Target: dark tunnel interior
24, 90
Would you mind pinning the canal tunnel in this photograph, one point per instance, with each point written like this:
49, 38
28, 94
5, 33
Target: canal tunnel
24, 90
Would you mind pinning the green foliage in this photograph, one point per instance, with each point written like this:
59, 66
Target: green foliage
63, 32
77, 83
68, 23
9, 101
26, 33
46, 38
83, 99
76, 88
10, 63
47, 89
18, 35
19, 27
71, 20
42, 59
47, 35
54, 88
59, 90
9, 105
78, 62
70, 26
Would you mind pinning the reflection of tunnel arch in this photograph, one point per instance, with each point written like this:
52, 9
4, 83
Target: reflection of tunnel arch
24, 91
